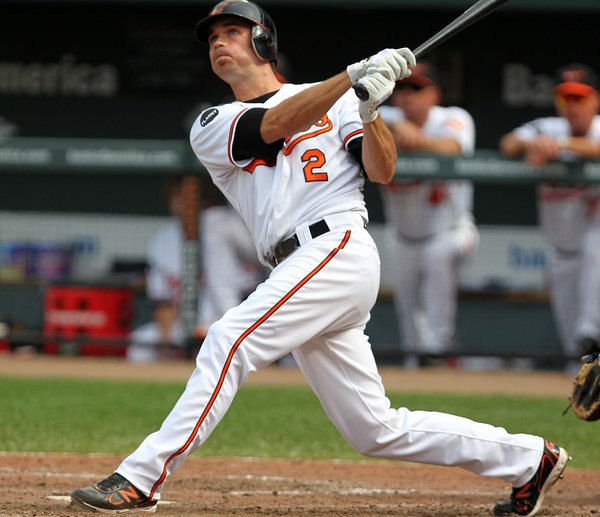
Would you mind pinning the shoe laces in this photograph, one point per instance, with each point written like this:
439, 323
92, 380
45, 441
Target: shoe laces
111, 482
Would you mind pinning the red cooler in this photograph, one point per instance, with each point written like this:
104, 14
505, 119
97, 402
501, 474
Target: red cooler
97, 312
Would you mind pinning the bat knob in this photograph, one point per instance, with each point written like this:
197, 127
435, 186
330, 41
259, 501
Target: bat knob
361, 92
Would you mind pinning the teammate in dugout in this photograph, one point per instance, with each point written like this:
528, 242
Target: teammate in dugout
230, 270
568, 214
430, 226
292, 159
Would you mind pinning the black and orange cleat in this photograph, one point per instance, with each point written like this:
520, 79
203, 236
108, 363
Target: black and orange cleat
527, 499
113, 495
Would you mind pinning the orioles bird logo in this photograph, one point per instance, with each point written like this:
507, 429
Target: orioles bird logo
220, 6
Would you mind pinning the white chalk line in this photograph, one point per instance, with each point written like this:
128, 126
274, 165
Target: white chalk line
46, 473
341, 490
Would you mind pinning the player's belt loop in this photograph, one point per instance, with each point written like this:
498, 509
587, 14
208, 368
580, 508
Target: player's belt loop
286, 247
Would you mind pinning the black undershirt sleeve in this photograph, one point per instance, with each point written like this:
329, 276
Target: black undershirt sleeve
355, 149
247, 142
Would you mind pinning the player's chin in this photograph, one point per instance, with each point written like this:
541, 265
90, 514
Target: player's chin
223, 68
223, 58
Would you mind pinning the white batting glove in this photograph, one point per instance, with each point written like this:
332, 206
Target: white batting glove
357, 71
393, 63
379, 87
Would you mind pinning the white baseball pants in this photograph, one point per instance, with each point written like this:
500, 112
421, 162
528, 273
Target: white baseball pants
575, 291
316, 304
425, 276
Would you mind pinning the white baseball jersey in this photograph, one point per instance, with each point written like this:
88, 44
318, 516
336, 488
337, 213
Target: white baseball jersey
315, 304
273, 204
418, 209
163, 278
565, 210
570, 221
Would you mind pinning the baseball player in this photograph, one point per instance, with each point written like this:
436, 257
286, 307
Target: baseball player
568, 214
429, 223
229, 271
289, 158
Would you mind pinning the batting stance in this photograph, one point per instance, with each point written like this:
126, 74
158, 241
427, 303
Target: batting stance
290, 158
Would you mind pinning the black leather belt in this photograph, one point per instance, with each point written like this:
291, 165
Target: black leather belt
286, 247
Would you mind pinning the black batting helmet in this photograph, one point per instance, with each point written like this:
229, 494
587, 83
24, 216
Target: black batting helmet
264, 34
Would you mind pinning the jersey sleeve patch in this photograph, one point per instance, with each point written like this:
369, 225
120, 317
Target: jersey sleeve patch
210, 136
208, 115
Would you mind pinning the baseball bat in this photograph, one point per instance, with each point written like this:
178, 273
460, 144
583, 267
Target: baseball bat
477, 11
190, 189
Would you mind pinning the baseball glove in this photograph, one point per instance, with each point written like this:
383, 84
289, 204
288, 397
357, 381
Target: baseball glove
585, 395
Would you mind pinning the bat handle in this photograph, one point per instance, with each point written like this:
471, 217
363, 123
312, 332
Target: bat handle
361, 92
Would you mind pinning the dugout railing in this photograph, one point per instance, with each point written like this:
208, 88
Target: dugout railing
492, 322
165, 156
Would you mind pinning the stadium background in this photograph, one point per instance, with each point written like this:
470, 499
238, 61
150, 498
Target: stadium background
129, 71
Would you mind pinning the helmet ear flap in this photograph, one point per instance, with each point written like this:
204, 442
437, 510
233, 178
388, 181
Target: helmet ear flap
263, 43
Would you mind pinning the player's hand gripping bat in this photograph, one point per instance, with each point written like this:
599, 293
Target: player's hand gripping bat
477, 11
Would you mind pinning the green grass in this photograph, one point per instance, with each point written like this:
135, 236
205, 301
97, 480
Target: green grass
287, 422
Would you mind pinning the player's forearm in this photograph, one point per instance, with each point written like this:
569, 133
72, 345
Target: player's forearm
511, 146
446, 146
303, 109
378, 152
583, 147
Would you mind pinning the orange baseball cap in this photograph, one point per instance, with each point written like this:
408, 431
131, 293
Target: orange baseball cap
576, 79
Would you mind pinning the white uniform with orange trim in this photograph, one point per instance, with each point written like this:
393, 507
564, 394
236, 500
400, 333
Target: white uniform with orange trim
570, 221
314, 304
430, 230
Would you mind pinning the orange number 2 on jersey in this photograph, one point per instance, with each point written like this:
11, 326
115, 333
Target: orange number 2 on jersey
314, 159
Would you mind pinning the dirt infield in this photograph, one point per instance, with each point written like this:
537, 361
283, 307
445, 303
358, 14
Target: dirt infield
39, 484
